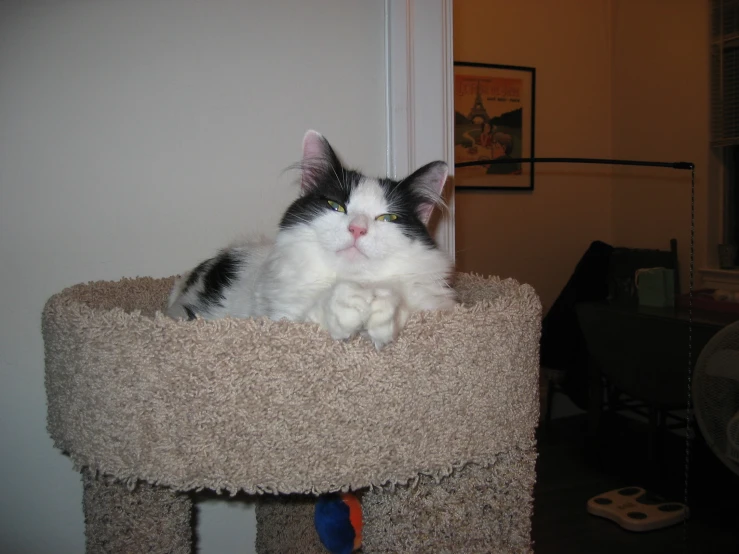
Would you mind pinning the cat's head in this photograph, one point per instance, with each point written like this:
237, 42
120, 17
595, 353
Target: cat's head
357, 218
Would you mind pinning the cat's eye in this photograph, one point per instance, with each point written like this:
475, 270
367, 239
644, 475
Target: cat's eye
387, 217
337, 207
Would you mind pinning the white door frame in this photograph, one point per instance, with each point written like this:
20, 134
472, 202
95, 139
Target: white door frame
419, 102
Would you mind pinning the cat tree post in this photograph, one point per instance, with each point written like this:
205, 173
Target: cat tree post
476, 509
148, 518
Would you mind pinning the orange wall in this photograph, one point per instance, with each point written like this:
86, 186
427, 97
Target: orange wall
660, 99
538, 238
615, 78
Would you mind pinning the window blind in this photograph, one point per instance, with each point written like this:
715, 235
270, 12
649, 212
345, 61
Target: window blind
724, 72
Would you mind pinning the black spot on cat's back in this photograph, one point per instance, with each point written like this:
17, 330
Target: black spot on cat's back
194, 276
219, 276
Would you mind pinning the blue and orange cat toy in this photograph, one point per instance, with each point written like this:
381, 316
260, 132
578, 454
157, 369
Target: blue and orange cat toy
338, 520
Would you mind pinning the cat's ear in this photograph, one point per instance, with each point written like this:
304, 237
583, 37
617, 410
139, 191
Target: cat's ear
319, 160
427, 182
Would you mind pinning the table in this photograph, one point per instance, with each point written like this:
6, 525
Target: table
644, 353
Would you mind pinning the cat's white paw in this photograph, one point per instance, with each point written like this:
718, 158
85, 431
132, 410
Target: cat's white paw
386, 317
348, 310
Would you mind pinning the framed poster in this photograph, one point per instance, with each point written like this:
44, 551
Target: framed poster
493, 120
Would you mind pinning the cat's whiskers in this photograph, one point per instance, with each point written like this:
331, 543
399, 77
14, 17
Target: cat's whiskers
347, 186
302, 220
338, 181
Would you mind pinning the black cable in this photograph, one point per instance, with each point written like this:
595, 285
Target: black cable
673, 165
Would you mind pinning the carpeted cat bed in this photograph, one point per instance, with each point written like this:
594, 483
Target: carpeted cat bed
436, 431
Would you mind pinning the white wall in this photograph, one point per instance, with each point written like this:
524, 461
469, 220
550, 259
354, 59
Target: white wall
137, 137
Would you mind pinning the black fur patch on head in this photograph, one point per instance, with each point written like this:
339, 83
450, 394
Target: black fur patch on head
404, 202
335, 183
219, 276
324, 178
402, 199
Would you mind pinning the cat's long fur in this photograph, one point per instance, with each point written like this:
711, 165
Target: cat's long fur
333, 261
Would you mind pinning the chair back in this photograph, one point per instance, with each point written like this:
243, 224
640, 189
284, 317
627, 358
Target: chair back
624, 263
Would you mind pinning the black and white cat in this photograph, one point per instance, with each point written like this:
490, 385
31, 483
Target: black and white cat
352, 254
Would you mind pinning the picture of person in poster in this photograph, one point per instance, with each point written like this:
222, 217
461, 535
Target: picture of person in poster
486, 136
502, 148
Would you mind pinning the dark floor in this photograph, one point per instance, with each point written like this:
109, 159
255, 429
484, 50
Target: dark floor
571, 469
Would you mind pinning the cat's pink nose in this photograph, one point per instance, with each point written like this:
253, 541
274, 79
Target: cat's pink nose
357, 230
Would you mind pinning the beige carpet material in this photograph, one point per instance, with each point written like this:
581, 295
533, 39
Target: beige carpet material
146, 519
280, 407
438, 427
476, 510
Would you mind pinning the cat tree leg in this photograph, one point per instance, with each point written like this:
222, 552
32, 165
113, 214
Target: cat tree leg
476, 510
148, 519
285, 525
